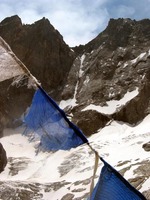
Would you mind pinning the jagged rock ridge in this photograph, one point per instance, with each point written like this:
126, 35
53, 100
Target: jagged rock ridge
41, 48
115, 62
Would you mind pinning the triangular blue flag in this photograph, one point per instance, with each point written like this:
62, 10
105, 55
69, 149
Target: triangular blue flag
48, 123
112, 186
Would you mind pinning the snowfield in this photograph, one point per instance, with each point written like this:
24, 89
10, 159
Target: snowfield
67, 174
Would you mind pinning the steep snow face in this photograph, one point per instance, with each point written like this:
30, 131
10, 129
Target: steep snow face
81, 66
73, 102
70, 102
67, 174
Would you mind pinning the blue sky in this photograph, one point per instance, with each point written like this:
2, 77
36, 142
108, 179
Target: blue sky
78, 21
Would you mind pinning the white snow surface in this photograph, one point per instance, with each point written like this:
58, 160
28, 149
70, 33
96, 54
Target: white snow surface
72, 102
142, 57
81, 65
69, 102
116, 143
114, 105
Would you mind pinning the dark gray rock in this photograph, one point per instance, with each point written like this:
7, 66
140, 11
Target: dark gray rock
146, 146
3, 158
90, 121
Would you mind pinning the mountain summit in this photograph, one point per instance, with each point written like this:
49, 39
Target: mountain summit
40, 47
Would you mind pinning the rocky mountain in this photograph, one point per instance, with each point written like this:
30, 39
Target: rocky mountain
104, 81
40, 47
115, 62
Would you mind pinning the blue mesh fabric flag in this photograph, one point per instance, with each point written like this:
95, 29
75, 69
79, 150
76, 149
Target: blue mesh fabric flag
47, 123
112, 186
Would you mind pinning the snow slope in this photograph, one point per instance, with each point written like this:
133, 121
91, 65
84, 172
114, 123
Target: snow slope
113, 105
67, 174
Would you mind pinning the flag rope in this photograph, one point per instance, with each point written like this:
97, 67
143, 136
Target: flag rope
97, 157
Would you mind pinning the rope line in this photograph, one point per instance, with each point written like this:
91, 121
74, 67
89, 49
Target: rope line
97, 157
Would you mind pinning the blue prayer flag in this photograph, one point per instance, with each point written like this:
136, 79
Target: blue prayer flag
112, 186
47, 123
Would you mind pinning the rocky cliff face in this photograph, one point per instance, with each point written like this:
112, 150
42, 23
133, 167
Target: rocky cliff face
41, 48
116, 62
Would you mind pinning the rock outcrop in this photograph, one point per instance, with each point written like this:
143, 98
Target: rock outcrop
114, 63
146, 146
42, 49
3, 158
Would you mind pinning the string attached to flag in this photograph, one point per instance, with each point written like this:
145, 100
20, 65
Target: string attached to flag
94, 170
